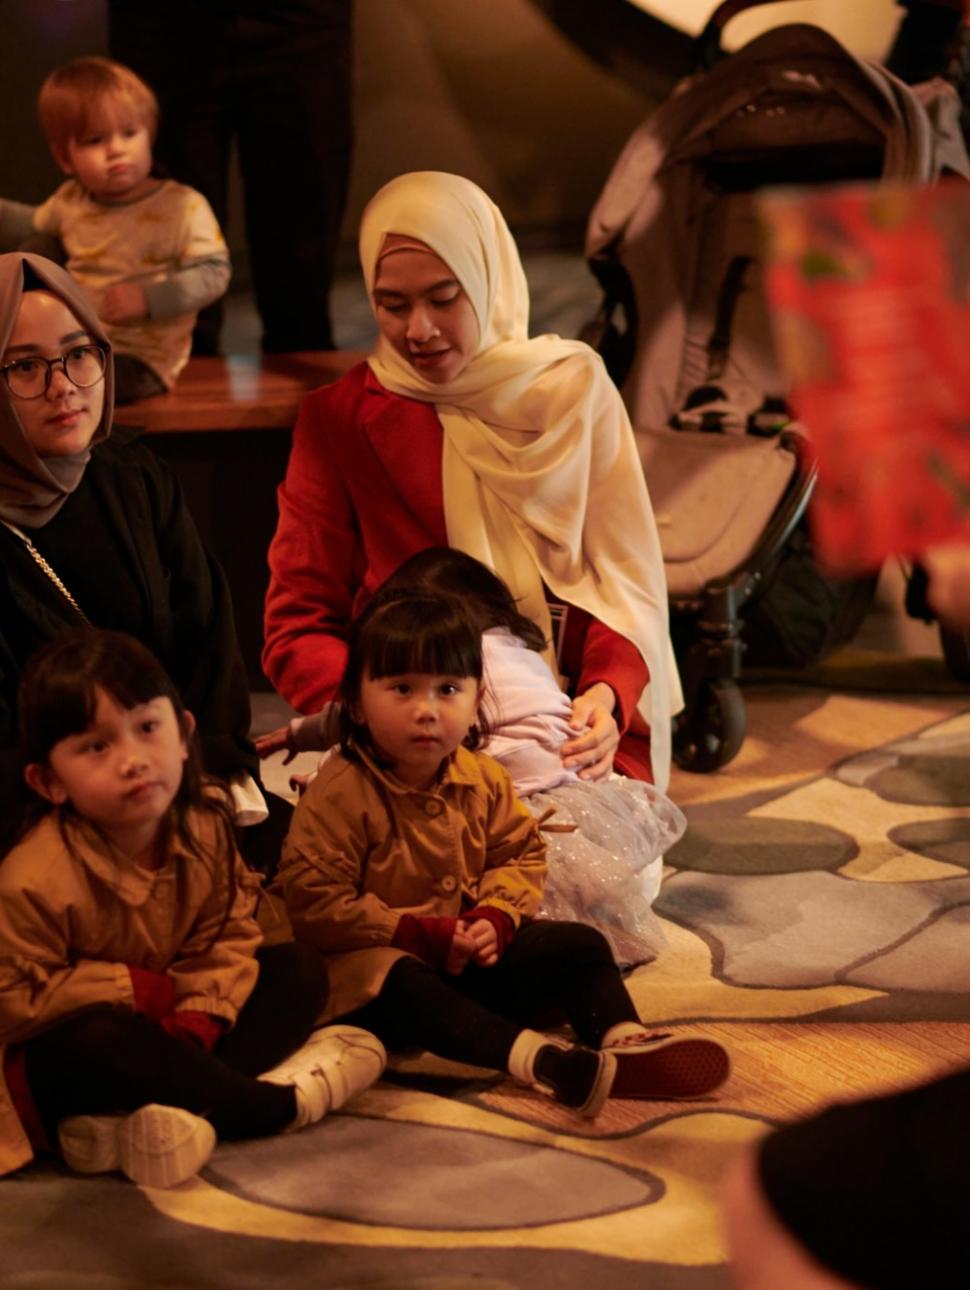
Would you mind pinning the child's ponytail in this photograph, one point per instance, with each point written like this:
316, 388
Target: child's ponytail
442, 570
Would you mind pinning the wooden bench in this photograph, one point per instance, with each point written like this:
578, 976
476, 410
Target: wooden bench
212, 429
238, 393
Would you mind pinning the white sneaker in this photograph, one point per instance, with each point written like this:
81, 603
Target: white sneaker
334, 1065
158, 1146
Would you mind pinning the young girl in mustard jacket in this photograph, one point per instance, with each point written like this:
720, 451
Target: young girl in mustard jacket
414, 867
136, 1007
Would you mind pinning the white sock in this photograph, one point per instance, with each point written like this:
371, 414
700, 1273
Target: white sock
620, 1031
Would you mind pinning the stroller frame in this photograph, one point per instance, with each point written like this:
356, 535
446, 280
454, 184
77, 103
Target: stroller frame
898, 142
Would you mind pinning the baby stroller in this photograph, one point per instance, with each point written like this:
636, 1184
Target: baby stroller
684, 330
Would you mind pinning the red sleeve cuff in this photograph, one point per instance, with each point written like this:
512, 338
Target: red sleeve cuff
200, 1028
154, 992
427, 938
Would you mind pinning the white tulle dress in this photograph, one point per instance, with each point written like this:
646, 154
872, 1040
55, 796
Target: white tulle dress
606, 869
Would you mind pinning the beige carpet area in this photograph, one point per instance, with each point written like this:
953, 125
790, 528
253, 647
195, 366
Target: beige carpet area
817, 914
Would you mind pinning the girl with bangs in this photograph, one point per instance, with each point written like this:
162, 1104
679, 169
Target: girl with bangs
605, 838
414, 868
137, 1007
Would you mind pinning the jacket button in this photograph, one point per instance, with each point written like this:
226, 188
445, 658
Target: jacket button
449, 883
432, 806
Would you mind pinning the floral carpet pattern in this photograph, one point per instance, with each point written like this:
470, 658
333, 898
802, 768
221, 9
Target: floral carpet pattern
817, 913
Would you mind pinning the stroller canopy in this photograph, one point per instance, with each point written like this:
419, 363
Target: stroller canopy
793, 106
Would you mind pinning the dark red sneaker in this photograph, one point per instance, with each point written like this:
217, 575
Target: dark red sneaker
663, 1067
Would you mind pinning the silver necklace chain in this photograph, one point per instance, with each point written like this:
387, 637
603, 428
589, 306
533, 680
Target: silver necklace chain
51, 573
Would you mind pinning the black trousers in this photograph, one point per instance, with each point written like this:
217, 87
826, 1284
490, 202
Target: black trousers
108, 1060
924, 42
275, 81
548, 971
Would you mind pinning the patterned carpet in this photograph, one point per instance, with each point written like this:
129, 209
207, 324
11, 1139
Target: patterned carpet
817, 914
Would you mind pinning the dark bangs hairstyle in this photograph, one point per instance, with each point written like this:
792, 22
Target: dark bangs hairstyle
58, 697
410, 631
485, 597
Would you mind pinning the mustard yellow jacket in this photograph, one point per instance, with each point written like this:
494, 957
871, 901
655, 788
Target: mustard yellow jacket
74, 916
363, 849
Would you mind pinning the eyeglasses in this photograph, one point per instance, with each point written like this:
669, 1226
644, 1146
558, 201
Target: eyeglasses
29, 378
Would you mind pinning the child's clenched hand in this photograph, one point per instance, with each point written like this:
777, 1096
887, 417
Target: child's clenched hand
462, 949
124, 302
484, 939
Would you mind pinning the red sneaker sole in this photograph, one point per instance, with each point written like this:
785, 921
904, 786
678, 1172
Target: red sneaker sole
678, 1068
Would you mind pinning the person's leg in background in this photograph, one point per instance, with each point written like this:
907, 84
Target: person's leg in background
925, 40
934, 40
184, 51
295, 134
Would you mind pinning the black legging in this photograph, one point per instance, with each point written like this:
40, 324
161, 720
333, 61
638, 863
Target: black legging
107, 1060
548, 968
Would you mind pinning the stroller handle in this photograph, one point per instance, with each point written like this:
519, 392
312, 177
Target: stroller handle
709, 48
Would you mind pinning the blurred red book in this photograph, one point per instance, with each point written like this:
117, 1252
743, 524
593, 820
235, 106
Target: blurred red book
869, 292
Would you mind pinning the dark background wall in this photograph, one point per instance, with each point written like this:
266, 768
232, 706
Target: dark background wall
498, 91
533, 99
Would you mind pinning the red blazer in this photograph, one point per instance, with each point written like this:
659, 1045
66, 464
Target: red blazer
363, 492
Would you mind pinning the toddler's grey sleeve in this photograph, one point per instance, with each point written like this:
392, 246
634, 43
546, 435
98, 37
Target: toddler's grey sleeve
318, 732
189, 289
16, 224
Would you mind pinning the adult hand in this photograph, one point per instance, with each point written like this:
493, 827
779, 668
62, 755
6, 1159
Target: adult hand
591, 752
948, 569
273, 742
124, 302
485, 940
301, 781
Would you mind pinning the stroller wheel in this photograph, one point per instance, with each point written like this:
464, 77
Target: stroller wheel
956, 652
711, 733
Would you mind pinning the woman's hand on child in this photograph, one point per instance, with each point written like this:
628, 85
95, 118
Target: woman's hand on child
273, 742
591, 752
123, 302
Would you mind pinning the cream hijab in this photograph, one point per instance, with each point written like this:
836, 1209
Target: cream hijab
33, 489
542, 481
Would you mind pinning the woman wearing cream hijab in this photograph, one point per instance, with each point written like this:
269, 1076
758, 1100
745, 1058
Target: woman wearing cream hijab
460, 430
